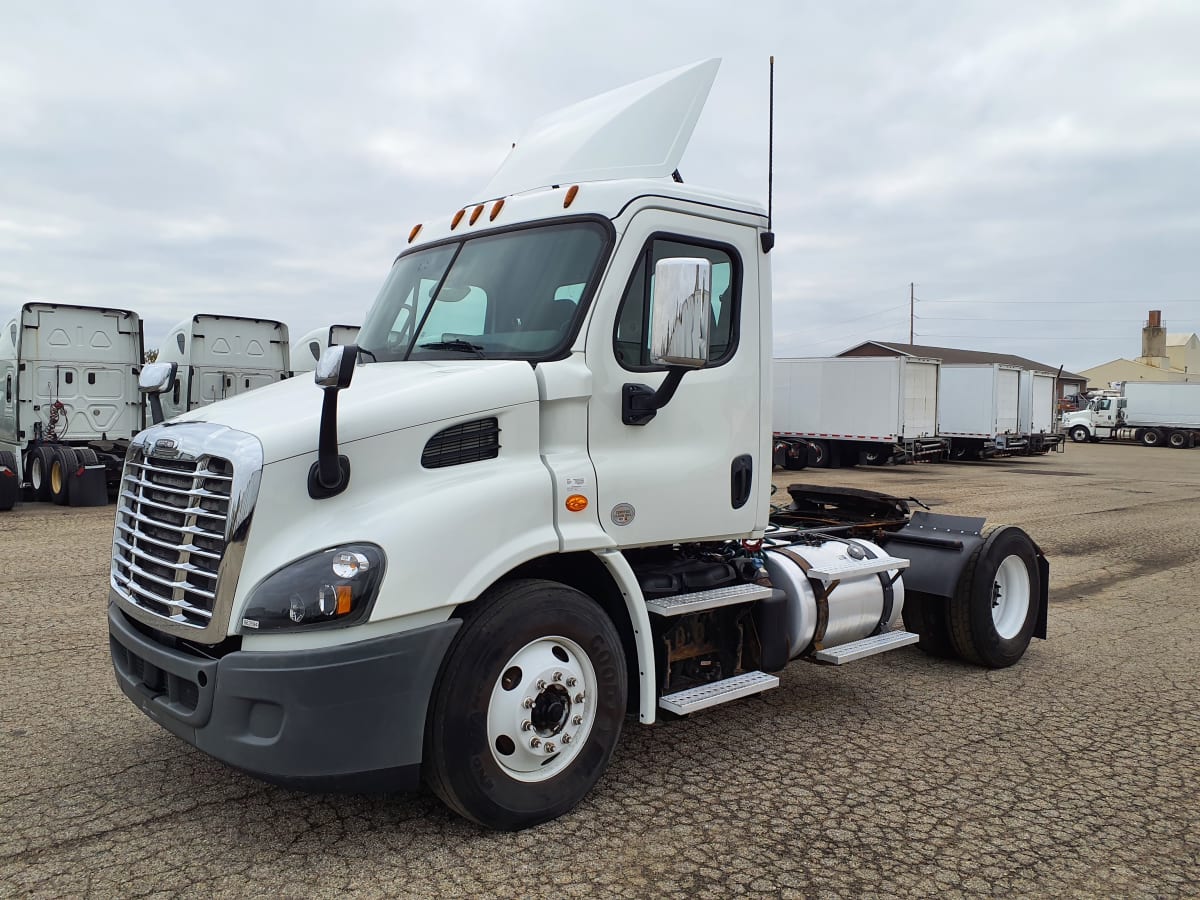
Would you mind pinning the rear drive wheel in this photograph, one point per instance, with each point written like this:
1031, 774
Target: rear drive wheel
995, 606
62, 466
873, 456
528, 706
1178, 439
8, 481
1152, 437
821, 456
1079, 434
37, 464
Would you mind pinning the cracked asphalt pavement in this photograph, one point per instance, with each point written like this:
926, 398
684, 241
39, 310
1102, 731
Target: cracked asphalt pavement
1074, 773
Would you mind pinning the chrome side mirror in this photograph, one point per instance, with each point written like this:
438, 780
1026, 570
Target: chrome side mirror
681, 313
335, 368
152, 381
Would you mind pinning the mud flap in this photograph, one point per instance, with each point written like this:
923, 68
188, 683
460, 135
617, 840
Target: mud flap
88, 486
9, 488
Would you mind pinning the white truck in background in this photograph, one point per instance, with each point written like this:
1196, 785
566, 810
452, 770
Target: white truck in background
847, 410
69, 401
534, 498
221, 356
979, 409
306, 351
1038, 407
1153, 413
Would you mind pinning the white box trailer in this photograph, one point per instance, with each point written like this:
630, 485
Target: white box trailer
308, 349
1038, 410
222, 356
845, 410
70, 402
1154, 413
979, 410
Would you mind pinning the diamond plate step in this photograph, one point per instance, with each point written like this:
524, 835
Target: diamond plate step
681, 604
880, 643
713, 693
855, 568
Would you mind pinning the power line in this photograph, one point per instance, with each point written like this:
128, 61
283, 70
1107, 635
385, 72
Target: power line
1139, 301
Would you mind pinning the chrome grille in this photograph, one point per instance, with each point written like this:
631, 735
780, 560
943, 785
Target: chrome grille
171, 534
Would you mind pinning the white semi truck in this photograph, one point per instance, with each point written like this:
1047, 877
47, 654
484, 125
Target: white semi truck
1038, 406
534, 498
979, 409
1154, 413
847, 410
306, 352
69, 401
222, 356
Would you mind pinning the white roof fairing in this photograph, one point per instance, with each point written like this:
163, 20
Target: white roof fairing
636, 131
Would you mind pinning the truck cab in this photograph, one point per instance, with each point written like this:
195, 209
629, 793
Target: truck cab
1101, 417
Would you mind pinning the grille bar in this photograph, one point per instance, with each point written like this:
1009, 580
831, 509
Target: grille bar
178, 510
134, 569
158, 561
154, 598
209, 476
200, 493
177, 548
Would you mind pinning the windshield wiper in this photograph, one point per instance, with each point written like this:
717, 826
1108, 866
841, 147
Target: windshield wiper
459, 345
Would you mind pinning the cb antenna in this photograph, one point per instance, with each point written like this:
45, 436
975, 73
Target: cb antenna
767, 238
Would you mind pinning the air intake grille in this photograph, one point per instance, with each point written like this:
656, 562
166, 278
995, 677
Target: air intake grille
468, 442
171, 532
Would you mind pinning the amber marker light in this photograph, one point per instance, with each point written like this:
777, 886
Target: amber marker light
412, 235
570, 198
457, 218
577, 503
475, 213
496, 207
343, 598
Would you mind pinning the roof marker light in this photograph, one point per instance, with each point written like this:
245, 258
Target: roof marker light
570, 198
496, 207
475, 213
457, 218
412, 235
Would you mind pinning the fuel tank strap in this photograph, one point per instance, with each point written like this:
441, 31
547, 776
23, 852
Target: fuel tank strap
819, 591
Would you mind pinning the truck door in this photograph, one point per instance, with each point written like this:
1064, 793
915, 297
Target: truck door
691, 473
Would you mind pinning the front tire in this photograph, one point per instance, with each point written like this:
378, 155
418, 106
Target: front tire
995, 605
1079, 434
528, 706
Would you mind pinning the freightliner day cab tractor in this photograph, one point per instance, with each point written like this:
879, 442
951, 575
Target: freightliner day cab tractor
534, 498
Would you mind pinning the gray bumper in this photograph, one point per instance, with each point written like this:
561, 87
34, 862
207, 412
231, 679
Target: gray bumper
350, 717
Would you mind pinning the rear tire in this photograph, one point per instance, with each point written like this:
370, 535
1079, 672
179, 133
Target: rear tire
822, 455
63, 464
928, 616
873, 457
37, 466
481, 758
1152, 437
1178, 440
9, 488
995, 606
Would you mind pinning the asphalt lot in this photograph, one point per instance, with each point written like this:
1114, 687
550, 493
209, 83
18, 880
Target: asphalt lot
1076, 773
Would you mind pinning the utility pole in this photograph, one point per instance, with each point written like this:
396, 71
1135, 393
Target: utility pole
911, 304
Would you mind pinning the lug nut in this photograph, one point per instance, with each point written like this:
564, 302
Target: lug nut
571, 681
527, 703
535, 742
566, 739
550, 748
558, 676
578, 720
526, 725
541, 685
579, 697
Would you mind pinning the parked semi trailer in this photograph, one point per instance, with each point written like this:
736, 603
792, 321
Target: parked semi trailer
847, 410
222, 356
1153, 413
306, 352
979, 409
533, 498
1038, 408
70, 401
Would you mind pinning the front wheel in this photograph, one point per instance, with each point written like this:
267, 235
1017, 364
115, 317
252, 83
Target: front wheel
995, 605
1079, 434
528, 706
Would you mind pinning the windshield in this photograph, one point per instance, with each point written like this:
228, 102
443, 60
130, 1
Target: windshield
514, 295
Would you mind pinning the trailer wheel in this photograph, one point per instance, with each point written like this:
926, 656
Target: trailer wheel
1178, 440
873, 457
822, 455
37, 464
63, 463
8, 481
927, 615
1079, 434
995, 606
528, 706
1152, 437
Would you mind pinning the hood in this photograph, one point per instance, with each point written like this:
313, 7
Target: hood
382, 397
636, 131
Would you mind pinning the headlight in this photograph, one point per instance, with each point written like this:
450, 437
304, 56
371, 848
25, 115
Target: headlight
329, 589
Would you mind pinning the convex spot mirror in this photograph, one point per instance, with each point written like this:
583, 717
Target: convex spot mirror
336, 366
156, 377
681, 309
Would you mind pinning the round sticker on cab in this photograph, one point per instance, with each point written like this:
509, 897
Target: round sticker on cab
622, 513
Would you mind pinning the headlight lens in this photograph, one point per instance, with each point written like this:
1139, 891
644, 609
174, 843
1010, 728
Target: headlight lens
329, 589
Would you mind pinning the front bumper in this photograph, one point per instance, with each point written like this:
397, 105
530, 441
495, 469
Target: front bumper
350, 717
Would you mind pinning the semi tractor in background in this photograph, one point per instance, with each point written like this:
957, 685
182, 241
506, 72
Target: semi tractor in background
1154, 413
69, 401
306, 351
1038, 409
837, 411
979, 409
533, 498
220, 356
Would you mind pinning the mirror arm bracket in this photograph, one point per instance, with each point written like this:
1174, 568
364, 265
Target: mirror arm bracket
641, 403
330, 474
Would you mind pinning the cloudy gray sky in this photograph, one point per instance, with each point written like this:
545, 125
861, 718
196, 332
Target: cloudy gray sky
1033, 167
